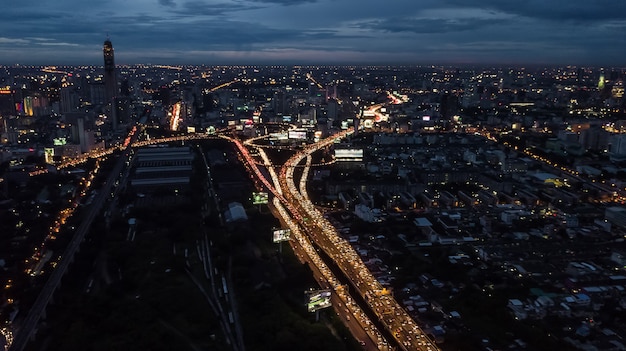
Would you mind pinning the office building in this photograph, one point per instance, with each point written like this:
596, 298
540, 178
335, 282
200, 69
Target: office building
110, 78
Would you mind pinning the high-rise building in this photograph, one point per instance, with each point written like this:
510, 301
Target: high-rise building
97, 93
70, 100
618, 144
332, 109
28, 106
7, 102
594, 138
120, 111
110, 78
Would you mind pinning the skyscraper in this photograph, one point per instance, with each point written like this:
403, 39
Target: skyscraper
110, 79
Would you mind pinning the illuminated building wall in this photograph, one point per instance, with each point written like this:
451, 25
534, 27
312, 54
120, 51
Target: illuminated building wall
176, 116
601, 82
618, 90
49, 153
28, 106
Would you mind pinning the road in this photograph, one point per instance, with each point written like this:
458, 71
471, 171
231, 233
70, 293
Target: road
406, 332
27, 327
408, 335
310, 228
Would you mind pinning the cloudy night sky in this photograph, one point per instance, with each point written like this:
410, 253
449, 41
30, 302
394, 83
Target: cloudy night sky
61, 32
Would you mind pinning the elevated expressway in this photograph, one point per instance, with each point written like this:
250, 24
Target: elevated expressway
301, 241
403, 328
310, 229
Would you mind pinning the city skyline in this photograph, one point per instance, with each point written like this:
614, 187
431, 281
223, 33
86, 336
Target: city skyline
432, 207
315, 32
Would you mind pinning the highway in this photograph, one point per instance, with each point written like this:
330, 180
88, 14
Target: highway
397, 321
347, 307
307, 252
310, 229
27, 327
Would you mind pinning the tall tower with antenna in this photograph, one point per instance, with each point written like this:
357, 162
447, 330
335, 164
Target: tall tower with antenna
110, 78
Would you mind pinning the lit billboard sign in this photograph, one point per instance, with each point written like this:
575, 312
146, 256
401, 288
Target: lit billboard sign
349, 154
317, 300
297, 134
59, 141
317, 136
279, 136
281, 235
259, 198
48, 154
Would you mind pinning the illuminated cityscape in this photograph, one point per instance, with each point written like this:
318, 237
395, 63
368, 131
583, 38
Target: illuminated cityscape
319, 207
436, 208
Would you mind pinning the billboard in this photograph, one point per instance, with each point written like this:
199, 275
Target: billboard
281, 235
317, 136
59, 141
259, 198
297, 134
279, 136
317, 300
349, 155
48, 154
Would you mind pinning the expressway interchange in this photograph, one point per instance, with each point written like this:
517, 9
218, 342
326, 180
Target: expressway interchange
310, 229
310, 232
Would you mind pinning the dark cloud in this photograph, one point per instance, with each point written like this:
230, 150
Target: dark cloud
202, 8
18, 16
488, 30
556, 10
285, 2
168, 3
324, 34
199, 34
427, 25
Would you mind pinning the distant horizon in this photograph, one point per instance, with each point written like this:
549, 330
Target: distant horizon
316, 32
328, 64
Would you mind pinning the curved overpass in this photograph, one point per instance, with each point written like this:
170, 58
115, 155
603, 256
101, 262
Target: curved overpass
404, 329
